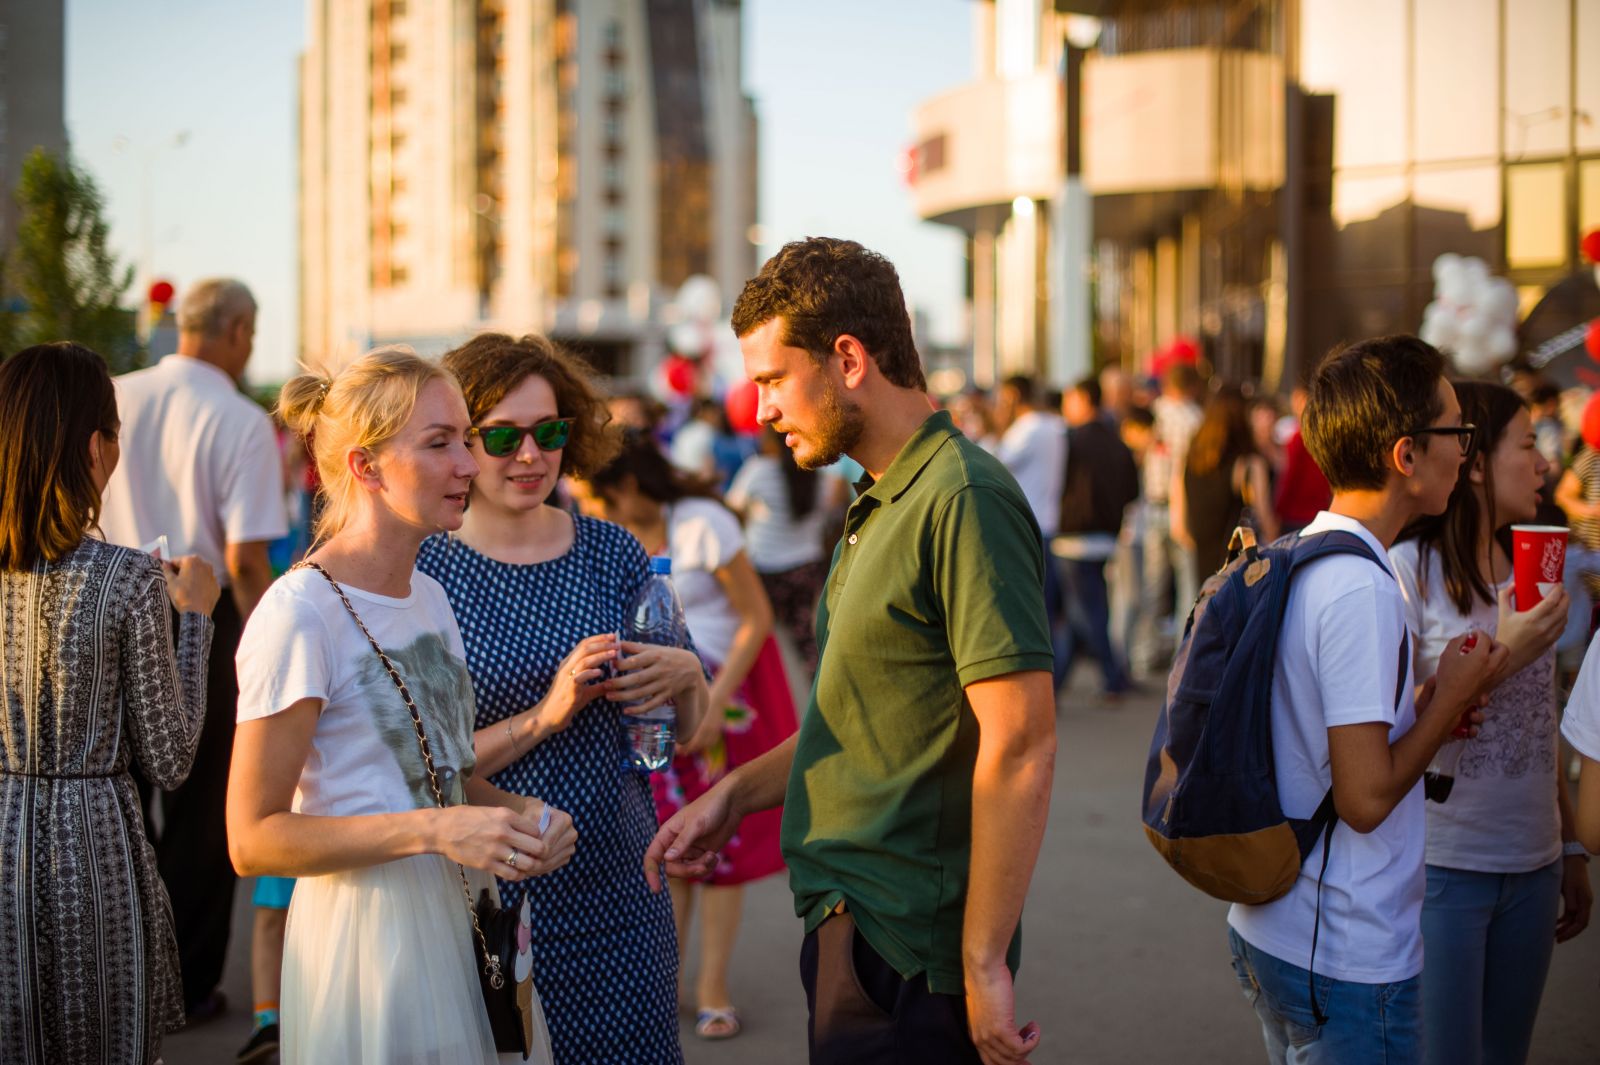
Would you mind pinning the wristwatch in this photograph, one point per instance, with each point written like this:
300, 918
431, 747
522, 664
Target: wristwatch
1573, 849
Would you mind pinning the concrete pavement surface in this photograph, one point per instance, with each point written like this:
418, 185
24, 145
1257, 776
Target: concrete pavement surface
1122, 961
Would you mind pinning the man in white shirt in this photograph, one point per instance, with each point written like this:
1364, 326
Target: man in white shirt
200, 466
1033, 447
1384, 425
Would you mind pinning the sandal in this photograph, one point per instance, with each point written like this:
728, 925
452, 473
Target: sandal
720, 1022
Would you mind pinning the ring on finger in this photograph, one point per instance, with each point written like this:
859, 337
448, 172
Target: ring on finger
511, 859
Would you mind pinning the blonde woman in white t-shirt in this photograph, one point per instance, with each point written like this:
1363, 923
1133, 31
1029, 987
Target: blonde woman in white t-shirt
328, 782
1503, 886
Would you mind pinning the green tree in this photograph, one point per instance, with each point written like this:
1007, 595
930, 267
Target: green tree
61, 281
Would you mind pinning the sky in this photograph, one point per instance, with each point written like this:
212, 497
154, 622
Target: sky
184, 111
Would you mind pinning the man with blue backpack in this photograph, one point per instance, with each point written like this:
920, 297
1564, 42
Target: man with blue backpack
1286, 770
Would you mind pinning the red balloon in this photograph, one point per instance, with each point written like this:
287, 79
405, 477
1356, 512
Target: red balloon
1591, 422
1591, 246
1591, 340
161, 292
743, 404
1184, 349
680, 375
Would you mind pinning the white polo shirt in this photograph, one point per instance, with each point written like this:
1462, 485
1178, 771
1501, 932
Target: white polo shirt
1337, 664
199, 465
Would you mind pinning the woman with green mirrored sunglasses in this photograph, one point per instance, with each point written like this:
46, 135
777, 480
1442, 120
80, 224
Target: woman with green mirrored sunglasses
541, 594
502, 440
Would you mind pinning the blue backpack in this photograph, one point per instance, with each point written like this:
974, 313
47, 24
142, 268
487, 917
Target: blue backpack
1210, 790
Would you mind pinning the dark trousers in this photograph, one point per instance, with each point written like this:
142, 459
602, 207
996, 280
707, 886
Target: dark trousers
1088, 623
192, 847
864, 1013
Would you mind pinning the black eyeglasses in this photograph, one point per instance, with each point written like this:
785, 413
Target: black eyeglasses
1464, 434
503, 440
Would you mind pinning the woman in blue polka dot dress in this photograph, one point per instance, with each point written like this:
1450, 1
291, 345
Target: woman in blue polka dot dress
540, 596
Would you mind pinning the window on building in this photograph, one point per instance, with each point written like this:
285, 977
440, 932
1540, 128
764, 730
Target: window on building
613, 129
613, 34
1457, 209
1536, 216
616, 221
1456, 80
613, 173
1586, 88
1538, 78
1588, 195
397, 52
1355, 51
398, 275
616, 83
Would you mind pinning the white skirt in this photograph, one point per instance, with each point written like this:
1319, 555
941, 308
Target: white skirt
380, 967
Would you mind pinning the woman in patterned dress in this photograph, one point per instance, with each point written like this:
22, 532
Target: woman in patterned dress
380, 964
91, 683
730, 620
1502, 889
541, 596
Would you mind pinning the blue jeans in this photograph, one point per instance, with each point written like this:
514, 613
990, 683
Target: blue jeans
1487, 940
1088, 623
1367, 1024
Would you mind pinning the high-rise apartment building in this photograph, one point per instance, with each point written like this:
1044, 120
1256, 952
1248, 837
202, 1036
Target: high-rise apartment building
32, 92
556, 165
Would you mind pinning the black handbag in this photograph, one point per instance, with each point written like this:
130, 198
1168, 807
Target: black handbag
499, 932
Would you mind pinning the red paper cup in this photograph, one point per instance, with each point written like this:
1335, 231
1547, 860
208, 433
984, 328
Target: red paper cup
1538, 558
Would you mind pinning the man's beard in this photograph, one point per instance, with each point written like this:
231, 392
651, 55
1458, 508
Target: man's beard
839, 427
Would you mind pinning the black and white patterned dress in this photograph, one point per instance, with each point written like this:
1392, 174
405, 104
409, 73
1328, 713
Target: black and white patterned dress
91, 682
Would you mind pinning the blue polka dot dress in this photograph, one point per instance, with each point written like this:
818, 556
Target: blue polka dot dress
605, 952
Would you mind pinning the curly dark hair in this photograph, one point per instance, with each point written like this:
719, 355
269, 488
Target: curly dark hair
490, 365
824, 288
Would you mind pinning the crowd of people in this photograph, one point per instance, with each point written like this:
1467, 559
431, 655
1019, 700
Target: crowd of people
372, 651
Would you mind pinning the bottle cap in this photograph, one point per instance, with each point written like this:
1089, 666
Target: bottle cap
661, 564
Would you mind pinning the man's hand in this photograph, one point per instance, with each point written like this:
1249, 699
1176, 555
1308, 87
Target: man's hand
1466, 674
688, 842
991, 1018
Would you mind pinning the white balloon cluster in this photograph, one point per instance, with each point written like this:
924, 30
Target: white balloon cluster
1473, 316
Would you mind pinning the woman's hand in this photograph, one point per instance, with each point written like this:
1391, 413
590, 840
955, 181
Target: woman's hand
579, 680
709, 731
497, 839
191, 585
1528, 634
651, 675
1577, 897
560, 837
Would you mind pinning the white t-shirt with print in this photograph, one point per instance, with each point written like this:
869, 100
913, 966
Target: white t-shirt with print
1501, 816
702, 537
1338, 664
301, 643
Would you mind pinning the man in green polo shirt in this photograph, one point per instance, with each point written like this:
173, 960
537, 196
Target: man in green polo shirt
916, 791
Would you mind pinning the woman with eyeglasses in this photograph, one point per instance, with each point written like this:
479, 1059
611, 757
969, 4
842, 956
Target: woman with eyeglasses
1502, 887
541, 594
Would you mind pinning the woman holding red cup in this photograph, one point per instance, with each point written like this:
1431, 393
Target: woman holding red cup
1503, 883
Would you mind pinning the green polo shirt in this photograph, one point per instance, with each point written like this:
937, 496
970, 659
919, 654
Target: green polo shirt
938, 582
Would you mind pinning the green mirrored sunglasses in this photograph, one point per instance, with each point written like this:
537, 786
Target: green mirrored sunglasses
503, 440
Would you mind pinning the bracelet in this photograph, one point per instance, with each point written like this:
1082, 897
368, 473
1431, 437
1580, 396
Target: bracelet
512, 736
1573, 849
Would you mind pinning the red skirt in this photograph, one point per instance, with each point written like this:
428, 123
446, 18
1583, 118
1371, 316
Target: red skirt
762, 717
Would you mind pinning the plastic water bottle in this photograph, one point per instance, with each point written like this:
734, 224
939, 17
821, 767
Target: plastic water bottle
655, 616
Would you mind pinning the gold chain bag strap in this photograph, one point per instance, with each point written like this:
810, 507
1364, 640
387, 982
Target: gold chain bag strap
510, 1007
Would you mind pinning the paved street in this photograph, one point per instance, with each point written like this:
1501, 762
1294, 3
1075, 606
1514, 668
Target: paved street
1122, 962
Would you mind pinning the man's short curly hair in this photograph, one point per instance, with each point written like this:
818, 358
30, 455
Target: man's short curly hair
824, 288
490, 365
